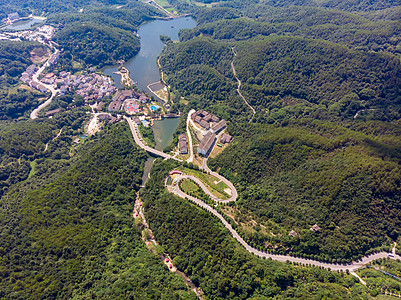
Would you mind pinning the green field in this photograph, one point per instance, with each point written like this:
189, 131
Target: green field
209, 180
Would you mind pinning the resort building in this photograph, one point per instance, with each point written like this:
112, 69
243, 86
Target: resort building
115, 106
226, 138
219, 126
182, 143
207, 143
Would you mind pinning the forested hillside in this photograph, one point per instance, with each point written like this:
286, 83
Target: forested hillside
14, 59
291, 177
351, 29
101, 36
54, 6
288, 77
205, 250
324, 146
70, 234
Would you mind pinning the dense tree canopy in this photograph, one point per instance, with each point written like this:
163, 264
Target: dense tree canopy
70, 234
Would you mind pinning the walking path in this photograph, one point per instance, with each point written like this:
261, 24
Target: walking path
47, 144
239, 86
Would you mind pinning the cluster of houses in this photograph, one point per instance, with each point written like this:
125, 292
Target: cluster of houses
214, 126
26, 77
130, 97
91, 86
183, 144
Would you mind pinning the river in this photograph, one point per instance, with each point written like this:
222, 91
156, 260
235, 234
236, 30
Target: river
144, 70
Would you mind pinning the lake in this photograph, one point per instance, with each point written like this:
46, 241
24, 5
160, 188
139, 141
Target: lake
143, 67
144, 70
24, 24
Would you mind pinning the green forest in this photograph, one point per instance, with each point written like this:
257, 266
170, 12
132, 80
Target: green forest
69, 233
204, 249
14, 59
324, 144
324, 78
100, 36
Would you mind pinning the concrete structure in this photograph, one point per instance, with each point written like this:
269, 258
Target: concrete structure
182, 143
115, 106
226, 138
219, 126
207, 143
315, 228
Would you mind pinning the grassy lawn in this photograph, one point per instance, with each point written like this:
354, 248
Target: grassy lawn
163, 3
217, 189
32, 172
191, 188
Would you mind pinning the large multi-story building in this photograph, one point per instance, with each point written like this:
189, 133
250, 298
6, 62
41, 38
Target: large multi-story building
206, 144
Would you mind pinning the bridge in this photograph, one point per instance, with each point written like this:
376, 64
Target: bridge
139, 141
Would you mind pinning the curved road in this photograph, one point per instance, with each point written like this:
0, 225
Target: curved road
228, 183
282, 258
206, 190
190, 147
239, 86
139, 141
35, 112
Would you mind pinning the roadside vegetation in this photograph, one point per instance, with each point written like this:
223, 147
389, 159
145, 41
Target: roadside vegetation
215, 186
147, 135
383, 276
323, 146
69, 233
218, 264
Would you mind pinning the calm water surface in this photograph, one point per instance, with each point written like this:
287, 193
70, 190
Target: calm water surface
23, 25
144, 70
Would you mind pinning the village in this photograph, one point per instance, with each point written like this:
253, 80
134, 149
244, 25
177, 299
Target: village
95, 90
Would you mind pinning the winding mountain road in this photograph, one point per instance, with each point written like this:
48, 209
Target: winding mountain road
352, 267
35, 112
282, 258
239, 86
206, 190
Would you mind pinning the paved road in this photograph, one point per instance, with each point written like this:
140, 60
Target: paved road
35, 112
234, 193
239, 86
283, 258
205, 189
190, 147
140, 143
